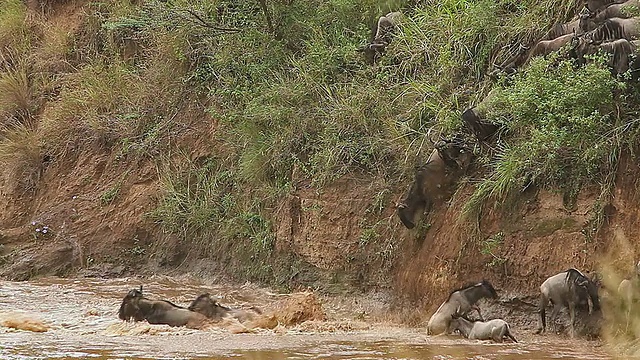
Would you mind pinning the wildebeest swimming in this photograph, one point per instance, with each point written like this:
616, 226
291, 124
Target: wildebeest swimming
496, 329
210, 308
460, 301
568, 289
137, 307
128, 311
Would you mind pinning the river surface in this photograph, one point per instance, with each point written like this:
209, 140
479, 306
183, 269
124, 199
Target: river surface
82, 321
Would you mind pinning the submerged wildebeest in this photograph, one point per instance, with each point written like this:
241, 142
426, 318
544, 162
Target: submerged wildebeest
382, 36
137, 307
210, 308
568, 289
496, 329
128, 311
460, 301
434, 179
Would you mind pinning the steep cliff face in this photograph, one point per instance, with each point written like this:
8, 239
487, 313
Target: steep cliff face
87, 214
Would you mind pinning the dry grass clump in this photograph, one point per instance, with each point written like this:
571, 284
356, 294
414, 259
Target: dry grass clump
21, 158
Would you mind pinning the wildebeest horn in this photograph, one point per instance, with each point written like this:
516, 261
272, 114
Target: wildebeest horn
140, 288
583, 282
401, 206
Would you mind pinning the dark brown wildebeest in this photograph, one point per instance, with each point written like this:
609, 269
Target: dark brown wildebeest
382, 36
474, 119
434, 179
210, 308
568, 289
137, 307
127, 310
460, 301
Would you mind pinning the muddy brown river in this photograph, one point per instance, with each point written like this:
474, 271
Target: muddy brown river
81, 317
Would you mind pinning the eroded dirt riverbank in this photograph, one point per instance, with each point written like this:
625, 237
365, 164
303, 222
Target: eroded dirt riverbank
81, 318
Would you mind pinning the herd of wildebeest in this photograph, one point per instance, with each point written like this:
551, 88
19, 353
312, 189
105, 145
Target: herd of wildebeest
570, 289
606, 25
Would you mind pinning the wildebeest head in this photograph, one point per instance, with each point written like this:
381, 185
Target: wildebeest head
382, 36
129, 308
489, 290
455, 152
584, 288
209, 307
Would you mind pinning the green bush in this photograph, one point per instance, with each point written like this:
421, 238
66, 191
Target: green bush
559, 129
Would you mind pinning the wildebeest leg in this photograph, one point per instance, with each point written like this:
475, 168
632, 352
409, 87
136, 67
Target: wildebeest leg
497, 334
477, 308
572, 318
554, 316
542, 321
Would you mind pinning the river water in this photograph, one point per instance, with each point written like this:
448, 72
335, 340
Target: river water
82, 322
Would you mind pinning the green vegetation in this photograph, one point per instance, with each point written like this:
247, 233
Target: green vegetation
279, 94
561, 130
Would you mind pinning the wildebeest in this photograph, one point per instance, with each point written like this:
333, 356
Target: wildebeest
595, 5
474, 119
210, 308
460, 301
496, 329
621, 52
433, 180
382, 36
137, 307
569, 289
619, 10
546, 47
613, 29
628, 288
578, 27
128, 311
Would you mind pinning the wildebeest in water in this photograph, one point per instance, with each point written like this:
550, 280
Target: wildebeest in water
460, 301
568, 289
137, 307
213, 310
496, 329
